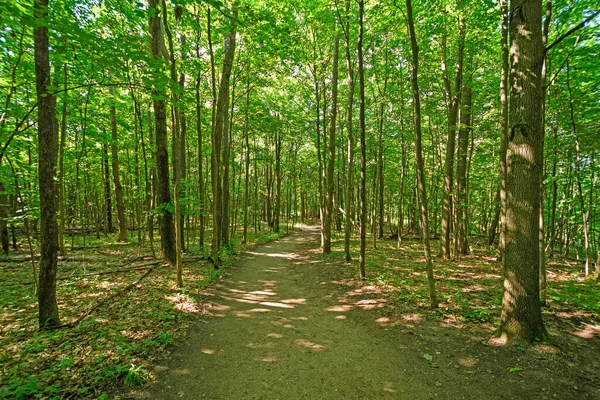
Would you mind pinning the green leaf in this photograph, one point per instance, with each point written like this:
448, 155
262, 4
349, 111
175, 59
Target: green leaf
428, 357
516, 368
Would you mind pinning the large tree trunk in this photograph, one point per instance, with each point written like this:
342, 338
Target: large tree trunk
521, 311
453, 101
115, 169
331, 148
419, 156
217, 136
159, 51
47, 160
363, 151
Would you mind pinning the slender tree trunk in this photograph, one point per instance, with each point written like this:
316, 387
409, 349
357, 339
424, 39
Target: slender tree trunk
363, 151
277, 205
419, 156
47, 160
578, 176
115, 169
521, 308
461, 172
247, 165
350, 173
503, 126
108, 228
331, 148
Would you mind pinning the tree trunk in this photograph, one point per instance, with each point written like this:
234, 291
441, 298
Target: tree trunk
461, 172
363, 152
158, 51
331, 148
277, 207
115, 169
350, 173
521, 310
47, 160
453, 101
247, 165
217, 136
419, 156
503, 125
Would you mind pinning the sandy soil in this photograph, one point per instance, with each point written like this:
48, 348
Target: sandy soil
286, 323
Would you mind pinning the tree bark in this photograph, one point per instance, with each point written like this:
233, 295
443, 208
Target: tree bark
350, 173
47, 160
363, 151
331, 148
453, 101
115, 169
461, 172
433, 302
521, 309
217, 136
158, 51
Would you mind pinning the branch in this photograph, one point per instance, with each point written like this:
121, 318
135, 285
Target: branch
571, 31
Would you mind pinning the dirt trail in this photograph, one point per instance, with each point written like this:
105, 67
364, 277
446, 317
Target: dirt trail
285, 325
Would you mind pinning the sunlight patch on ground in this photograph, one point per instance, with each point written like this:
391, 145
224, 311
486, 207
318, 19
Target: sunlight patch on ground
266, 293
340, 317
183, 371
259, 310
467, 362
275, 304
208, 351
242, 314
275, 335
183, 303
371, 304
587, 331
387, 387
268, 358
452, 321
340, 308
294, 301
310, 345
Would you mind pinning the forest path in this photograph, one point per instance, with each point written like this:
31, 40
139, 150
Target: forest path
280, 329
287, 323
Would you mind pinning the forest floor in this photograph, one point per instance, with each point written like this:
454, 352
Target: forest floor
281, 320
288, 323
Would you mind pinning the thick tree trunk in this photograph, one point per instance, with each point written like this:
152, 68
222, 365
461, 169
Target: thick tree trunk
277, 206
331, 148
47, 160
521, 311
115, 169
217, 136
158, 51
453, 101
419, 157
